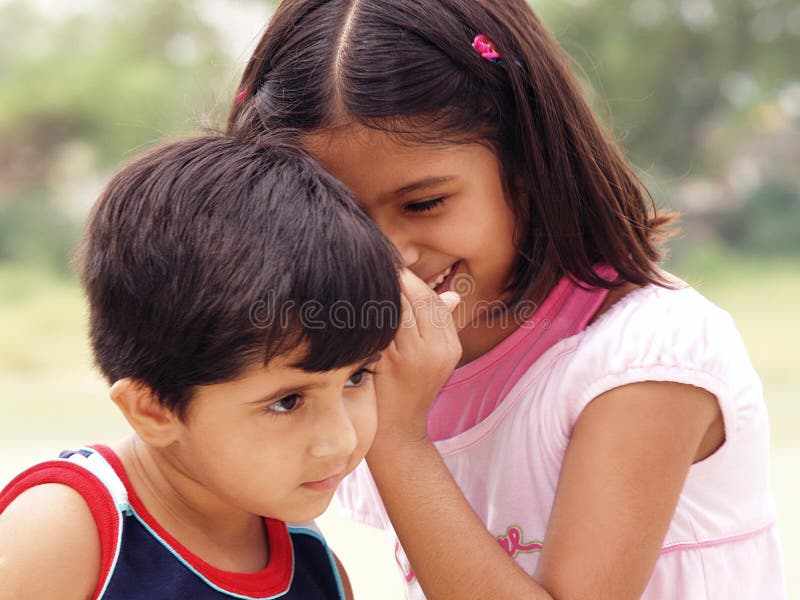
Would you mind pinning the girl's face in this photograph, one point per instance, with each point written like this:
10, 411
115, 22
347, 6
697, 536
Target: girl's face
443, 207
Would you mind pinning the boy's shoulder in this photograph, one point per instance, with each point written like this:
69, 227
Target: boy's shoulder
65, 532
49, 540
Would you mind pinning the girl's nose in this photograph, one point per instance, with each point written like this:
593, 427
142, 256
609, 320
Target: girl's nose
408, 253
408, 250
335, 434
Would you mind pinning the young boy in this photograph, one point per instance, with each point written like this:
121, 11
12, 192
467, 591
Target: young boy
238, 299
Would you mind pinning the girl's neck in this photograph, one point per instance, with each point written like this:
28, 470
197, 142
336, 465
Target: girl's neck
226, 538
477, 340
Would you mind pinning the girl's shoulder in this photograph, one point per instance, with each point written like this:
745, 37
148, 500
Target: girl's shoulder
659, 334
654, 316
680, 296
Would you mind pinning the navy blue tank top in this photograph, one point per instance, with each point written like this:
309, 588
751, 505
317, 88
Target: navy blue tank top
141, 560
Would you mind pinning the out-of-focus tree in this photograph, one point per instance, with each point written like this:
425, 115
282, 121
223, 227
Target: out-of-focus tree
685, 80
705, 97
768, 222
83, 90
114, 78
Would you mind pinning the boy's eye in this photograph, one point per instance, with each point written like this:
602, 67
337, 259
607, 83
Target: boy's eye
286, 405
358, 377
419, 207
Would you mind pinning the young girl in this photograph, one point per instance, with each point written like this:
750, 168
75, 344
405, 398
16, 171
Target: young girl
614, 443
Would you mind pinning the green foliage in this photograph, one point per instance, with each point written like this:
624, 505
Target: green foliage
116, 79
768, 222
93, 87
685, 81
34, 232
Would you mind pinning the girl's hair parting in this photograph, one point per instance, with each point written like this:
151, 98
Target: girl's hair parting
409, 68
209, 255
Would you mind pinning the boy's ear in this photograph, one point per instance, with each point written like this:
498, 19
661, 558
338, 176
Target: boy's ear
156, 424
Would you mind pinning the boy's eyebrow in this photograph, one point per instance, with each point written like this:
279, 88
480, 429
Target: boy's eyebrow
289, 390
283, 392
426, 182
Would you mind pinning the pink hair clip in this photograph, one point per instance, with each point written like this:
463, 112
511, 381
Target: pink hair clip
485, 47
241, 95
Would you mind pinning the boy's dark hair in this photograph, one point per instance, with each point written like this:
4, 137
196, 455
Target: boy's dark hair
407, 67
208, 255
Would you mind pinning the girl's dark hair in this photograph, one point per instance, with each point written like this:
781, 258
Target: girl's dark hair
407, 67
208, 255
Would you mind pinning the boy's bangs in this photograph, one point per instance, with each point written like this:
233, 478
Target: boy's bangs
338, 294
337, 328
337, 344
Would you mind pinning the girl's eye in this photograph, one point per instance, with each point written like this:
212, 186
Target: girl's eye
358, 378
286, 405
421, 207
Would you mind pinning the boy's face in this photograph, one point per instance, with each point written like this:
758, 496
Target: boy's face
277, 441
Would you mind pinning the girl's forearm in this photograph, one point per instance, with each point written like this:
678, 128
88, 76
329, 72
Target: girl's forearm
453, 555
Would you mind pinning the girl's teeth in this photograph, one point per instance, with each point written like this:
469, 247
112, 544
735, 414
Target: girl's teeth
441, 278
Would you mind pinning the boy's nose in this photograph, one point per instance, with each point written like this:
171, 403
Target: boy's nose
335, 434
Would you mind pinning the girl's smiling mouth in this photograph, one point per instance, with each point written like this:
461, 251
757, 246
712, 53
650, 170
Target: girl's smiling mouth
442, 281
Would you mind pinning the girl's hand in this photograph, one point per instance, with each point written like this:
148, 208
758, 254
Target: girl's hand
417, 362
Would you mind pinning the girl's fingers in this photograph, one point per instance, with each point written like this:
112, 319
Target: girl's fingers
414, 287
428, 320
451, 299
431, 311
408, 324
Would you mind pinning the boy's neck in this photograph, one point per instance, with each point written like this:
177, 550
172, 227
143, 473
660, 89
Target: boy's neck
224, 537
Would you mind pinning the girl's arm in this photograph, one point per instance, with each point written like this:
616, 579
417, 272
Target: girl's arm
629, 455
623, 472
453, 556
49, 546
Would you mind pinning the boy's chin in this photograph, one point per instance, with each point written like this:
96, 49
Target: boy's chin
302, 513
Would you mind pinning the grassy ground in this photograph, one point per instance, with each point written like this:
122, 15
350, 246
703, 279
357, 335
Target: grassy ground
52, 399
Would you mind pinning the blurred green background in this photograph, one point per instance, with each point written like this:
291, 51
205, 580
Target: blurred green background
704, 95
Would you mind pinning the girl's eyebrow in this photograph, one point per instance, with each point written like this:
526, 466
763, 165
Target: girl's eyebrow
374, 357
426, 182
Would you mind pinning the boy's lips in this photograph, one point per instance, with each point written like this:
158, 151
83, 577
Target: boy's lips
326, 484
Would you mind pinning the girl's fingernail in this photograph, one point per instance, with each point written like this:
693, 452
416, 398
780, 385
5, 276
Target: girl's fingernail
451, 299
